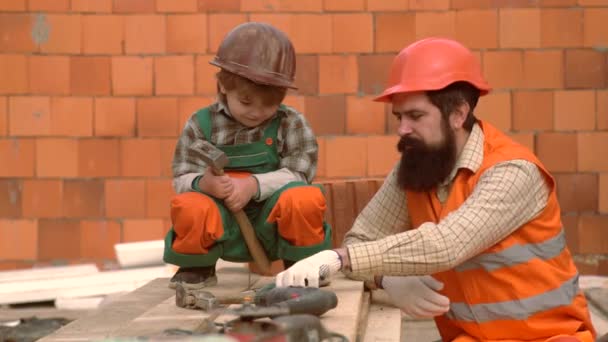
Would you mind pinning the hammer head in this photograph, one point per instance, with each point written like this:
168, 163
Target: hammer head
212, 156
190, 299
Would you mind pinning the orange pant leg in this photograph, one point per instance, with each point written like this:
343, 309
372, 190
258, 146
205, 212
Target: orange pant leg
299, 214
196, 221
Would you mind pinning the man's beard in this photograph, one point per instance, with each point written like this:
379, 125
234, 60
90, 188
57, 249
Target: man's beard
424, 167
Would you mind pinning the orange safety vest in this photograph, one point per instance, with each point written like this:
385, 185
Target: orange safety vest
525, 287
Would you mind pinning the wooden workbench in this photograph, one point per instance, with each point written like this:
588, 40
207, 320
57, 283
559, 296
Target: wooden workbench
150, 310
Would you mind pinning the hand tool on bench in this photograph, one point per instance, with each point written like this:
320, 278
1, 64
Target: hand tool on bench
216, 159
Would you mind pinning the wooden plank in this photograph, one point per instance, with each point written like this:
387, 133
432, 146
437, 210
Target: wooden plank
384, 319
44, 273
140, 254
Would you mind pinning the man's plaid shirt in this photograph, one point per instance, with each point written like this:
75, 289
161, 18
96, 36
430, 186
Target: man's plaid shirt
296, 145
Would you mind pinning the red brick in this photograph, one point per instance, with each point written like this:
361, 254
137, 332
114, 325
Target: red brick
343, 6
495, 108
15, 265
16, 31
543, 69
29, 115
577, 192
593, 3
477, 29
174, 75
387, 5
143, 230
90, 75
12, 5
394, 31
98, 237
57, 157
525, 139
322, 160
558, 3
98, 158
167, 149
431, 24
561, 27
588, 146
429, 5
259, 6
382, 154
58, 239
19, 239
42, 198
48, 6
373, 73
114, 116
346, 26
503, 69
139, 157
326, 114
158, 198
64, 33
145, 34
585, 69
346, 156
602, 109
3, 116
300, 6
94, 6
49, 74
533, 110
557, 151
205, 75
83, 198
570, 224
102, 34
11, 198
125, 198
296, 102
134, 6
603, 193
364, 116
72, 116
519, 27
309, 33
157, 117
187, 33
220, 25
218, 6
592, 234
14, 74
186, 106
574, 110
17, 157
307, 74
183, 6
132, 75
338, 74
594, 31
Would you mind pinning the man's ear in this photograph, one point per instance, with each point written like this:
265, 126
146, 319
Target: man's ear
459, 115
221, 88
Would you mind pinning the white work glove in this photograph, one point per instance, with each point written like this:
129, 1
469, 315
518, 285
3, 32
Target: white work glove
306, 272
417, 296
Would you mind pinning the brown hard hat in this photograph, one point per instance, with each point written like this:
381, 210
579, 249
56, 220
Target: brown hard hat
260, 53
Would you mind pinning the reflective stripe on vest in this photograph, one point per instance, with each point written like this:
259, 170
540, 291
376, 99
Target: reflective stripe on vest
517, 254
516, 309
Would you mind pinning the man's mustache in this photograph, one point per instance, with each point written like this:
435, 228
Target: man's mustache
409, 143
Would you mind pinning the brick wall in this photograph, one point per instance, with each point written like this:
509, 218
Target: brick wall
94, 92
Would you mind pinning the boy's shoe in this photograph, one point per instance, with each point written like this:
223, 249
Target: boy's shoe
194, 278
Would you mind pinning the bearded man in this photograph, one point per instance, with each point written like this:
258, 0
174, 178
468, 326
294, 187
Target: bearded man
466, 228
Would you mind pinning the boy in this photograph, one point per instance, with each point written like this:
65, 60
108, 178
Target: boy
272, 154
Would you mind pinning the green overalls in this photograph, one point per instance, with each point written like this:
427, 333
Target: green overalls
257, 157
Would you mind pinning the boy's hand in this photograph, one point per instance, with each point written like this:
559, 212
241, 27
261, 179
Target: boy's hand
243, 190
216, 186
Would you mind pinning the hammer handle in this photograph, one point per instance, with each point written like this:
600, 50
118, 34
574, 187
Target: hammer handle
253, 244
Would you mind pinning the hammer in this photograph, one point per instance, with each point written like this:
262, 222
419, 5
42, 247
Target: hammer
206, 301
216, 159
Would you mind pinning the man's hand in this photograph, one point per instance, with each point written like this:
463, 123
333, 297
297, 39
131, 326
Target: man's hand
417, 296
306, 272
216, 186
243, 190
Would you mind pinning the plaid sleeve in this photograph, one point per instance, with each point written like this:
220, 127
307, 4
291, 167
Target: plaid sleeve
298, 145
507, 196
187, 164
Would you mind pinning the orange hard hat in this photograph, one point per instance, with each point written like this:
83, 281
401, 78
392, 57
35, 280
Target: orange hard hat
259, 52
433, 64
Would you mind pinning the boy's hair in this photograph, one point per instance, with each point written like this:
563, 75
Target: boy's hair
270, 95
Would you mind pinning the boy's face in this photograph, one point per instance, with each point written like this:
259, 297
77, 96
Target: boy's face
246, 108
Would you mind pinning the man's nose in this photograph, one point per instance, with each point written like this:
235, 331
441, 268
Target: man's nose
404, 128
